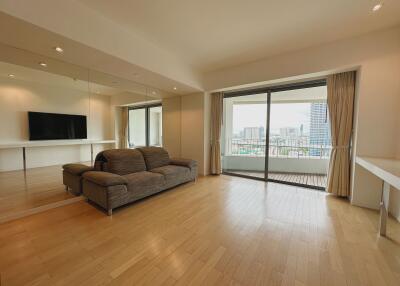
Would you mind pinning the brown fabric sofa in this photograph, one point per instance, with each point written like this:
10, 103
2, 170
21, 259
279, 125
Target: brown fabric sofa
123, 176
72, 177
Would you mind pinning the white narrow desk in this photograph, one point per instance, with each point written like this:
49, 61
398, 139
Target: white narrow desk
30, 144
388, 170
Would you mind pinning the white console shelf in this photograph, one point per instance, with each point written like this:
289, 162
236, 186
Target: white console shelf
32, 144
388, 170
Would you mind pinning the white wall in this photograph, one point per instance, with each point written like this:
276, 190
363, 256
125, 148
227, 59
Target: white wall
192, 129
17, 97
377, 125
195, 129
171, 121
128, 98
376, 56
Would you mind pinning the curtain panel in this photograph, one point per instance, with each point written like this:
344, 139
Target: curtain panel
216, 126
123, 128
341, 93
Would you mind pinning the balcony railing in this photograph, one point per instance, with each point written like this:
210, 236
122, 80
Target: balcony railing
288, 149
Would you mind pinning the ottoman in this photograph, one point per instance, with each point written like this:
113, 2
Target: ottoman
72, 177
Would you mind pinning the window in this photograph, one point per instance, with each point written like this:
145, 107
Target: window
137, 127
145, 126
155, 126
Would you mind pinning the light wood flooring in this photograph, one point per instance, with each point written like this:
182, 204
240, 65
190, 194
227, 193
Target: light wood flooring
218, 231
314, 180
36, 188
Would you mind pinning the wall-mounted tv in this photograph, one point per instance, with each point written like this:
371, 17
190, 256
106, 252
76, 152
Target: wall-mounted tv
54, 126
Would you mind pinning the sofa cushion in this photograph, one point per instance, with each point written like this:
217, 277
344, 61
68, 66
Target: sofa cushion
174, 175
123, 161
144, 182
155, 157
104, 179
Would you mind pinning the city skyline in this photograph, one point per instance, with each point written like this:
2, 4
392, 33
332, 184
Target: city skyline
312, 119
254, 115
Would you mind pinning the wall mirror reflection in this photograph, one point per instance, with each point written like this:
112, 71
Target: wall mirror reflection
58, 113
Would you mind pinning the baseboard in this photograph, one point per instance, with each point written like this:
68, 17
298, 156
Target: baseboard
24, 213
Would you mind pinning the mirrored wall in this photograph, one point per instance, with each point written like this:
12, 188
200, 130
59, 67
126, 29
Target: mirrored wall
30, 170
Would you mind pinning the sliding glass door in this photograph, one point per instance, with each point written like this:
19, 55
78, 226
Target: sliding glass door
137, 127
145, 126
245, 133
279, 134
155, 126
299, 142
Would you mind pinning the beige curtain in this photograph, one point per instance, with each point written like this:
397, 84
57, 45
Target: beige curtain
216, 125
341, 92
123, 129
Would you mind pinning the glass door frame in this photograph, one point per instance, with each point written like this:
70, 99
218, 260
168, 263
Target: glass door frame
269, 91
147, 120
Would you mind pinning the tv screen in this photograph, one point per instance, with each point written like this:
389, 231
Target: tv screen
53, 126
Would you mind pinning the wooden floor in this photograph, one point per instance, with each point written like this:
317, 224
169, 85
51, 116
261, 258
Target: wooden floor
36, 188
314, 180
218, 231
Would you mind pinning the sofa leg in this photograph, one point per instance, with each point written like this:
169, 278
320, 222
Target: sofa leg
109, 212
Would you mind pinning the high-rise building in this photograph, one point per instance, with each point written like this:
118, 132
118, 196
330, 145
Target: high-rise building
319, 128
289, 132
256, 133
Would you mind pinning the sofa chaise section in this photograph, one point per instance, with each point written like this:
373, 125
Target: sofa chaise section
105, 189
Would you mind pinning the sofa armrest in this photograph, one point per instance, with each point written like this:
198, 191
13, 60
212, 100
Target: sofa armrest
183, 162
104, 179
76, 169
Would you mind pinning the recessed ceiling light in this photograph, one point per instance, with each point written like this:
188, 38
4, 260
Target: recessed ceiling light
175, 88
377, 7
11, 75
43, 64
59, 49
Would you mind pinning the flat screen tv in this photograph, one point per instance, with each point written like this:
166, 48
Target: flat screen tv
54, 126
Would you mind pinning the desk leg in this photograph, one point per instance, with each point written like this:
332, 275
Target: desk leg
91, 154
384, 208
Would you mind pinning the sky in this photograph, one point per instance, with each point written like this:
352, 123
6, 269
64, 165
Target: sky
282, 115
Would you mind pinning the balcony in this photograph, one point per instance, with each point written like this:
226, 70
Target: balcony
292, 162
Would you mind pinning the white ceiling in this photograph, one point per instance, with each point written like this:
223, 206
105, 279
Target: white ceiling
211, 34
25, 44
50, 77
25, 66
